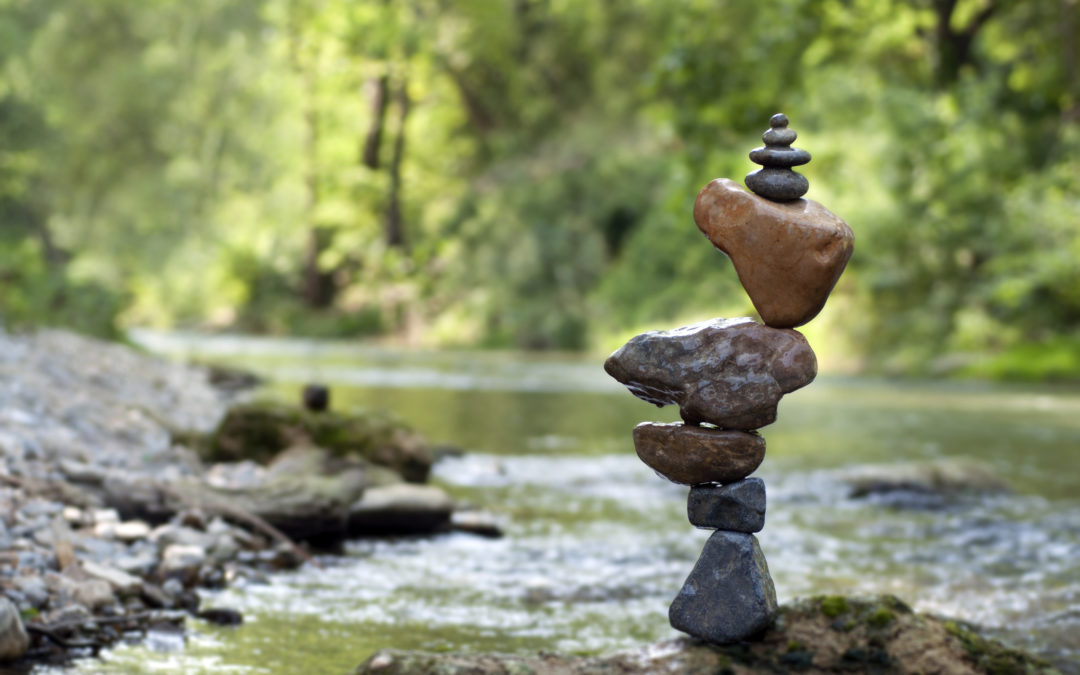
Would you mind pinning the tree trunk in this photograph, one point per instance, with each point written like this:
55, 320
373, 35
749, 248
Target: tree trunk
380, 97
395, 226
954, 46
317, 286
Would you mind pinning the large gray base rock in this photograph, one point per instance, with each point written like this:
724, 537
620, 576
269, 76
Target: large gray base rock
736, 507
729, 597
727, 372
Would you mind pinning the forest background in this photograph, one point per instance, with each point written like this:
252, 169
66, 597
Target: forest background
521, 173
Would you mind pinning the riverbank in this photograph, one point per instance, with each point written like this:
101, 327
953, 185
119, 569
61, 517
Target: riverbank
596, 544
113, 513
817, 635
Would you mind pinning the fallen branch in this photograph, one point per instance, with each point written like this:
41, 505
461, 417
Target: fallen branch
236, 513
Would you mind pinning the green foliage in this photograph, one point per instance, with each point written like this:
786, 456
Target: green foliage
833, 606
521, 172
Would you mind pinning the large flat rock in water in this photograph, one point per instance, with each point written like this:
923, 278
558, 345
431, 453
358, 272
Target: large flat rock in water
817, 635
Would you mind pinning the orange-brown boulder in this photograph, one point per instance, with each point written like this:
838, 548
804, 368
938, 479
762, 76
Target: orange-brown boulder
788, 255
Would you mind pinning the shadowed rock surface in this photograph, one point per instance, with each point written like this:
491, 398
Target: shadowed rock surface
727, 372
736, 507
817, 635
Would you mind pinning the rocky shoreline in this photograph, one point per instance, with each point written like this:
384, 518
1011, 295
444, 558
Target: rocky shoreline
114, 508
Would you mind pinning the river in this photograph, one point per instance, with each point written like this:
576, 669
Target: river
597, 545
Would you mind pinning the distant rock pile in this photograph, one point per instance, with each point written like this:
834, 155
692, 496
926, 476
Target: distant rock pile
728, 375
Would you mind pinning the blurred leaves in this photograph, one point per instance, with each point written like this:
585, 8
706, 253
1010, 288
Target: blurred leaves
200, 163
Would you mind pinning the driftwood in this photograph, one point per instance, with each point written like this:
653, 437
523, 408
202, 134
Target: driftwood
286, 507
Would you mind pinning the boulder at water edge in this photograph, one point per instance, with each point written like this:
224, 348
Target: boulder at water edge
788, 255
727, 372
691, 455
729, 596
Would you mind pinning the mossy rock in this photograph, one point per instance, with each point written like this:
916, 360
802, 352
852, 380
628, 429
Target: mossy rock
832, 634
259, 431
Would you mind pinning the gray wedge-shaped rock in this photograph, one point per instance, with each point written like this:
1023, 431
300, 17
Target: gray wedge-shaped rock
727, 372
729, 597
735, 507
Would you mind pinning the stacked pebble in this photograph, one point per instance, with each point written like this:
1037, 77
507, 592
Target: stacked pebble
727, 377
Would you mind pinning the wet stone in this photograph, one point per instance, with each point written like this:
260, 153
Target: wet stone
736, 507
727, 372
691, 455
729, 596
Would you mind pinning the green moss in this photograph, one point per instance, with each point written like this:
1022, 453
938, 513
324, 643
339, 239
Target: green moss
833, 606
895, 604
795, 646
260, 430
881, 617
993, 657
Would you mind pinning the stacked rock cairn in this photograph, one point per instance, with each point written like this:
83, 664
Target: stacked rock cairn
728, 375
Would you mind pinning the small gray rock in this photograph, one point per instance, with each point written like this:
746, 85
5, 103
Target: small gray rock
729, 596
13, 638
119, 580
735, 507
91, 593
727, 372
182, 561
33, 589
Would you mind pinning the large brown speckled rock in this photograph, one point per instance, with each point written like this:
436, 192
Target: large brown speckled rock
788, 255
694, 455
727, 372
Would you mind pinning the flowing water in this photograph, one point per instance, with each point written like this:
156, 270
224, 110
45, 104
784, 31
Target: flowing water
597, 545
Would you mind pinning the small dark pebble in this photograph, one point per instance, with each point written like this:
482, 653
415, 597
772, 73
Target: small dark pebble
316, 397
188, 601
798, 660
221, 616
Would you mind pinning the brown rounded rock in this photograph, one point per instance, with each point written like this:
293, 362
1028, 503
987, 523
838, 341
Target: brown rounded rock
693, 455
788, 255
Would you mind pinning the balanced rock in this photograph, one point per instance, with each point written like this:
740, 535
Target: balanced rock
776, 180
729, 596
691, 455
736, 507
788, 255
727, 372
